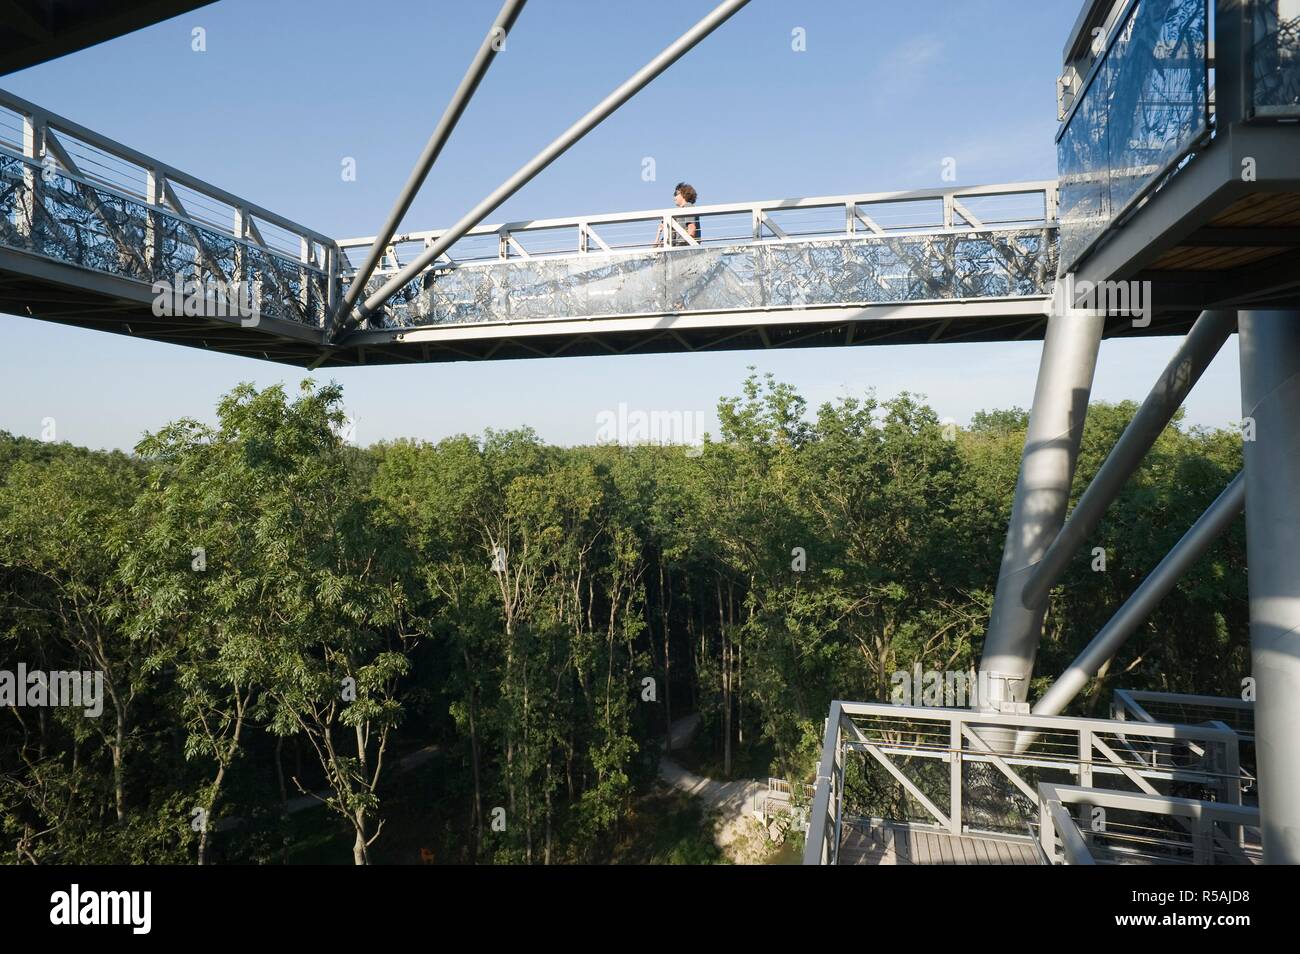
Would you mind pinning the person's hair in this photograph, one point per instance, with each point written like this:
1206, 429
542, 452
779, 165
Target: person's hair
688, 192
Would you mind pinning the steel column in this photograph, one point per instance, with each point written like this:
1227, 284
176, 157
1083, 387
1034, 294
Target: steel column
1270, 394
1199, 348
1042, 495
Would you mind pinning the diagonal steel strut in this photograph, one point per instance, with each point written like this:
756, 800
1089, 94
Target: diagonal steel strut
529, 170
487, 51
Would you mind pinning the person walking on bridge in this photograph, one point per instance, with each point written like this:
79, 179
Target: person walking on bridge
683, 195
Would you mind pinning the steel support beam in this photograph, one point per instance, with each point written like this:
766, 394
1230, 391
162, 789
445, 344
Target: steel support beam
469, 84
1203, 342
634, 84
1211, 524
1270, 394
1042, 495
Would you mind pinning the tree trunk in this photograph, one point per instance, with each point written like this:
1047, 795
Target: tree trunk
119, 769
284, 795
740, 675
546, 857
668, 663
279, 770
473, 751
360, 853
726, 706
726, 689
207, 818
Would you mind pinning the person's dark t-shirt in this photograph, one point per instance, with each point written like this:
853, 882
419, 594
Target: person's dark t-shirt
686, 223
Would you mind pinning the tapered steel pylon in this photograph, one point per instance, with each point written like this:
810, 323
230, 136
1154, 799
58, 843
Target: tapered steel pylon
1042, 495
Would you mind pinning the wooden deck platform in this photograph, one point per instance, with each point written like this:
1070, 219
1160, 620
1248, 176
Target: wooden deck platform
892, 843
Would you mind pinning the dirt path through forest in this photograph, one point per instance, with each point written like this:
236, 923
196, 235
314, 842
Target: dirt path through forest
737, 831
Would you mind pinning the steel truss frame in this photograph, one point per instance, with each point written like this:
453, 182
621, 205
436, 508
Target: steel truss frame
901, 739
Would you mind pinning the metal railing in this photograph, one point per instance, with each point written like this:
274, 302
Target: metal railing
1017, 205
954, 771
822, 846
1128, 828
70, 195
1224, 712
1236, 714
780, 799
73, 196
1274, 58
929, 245
1143, 106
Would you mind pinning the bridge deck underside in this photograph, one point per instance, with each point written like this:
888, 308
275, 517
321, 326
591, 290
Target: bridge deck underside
1207, 239
126, 311
1246, 251
730, 333
59, 294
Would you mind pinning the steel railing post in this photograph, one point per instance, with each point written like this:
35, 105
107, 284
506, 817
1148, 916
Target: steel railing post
33, 174
1046, 829
955, 775
1085, 780
243, 268
332, 255
153, 232
304, 276
839, 793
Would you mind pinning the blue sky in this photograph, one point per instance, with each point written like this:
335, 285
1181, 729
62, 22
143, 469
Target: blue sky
285, 90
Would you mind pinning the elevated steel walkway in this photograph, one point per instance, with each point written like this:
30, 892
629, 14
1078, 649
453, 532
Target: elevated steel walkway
938, 265
1179, 168
89, 227
929, 785
879, 842
1177, 150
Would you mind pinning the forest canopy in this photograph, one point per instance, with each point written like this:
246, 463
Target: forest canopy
445, 648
